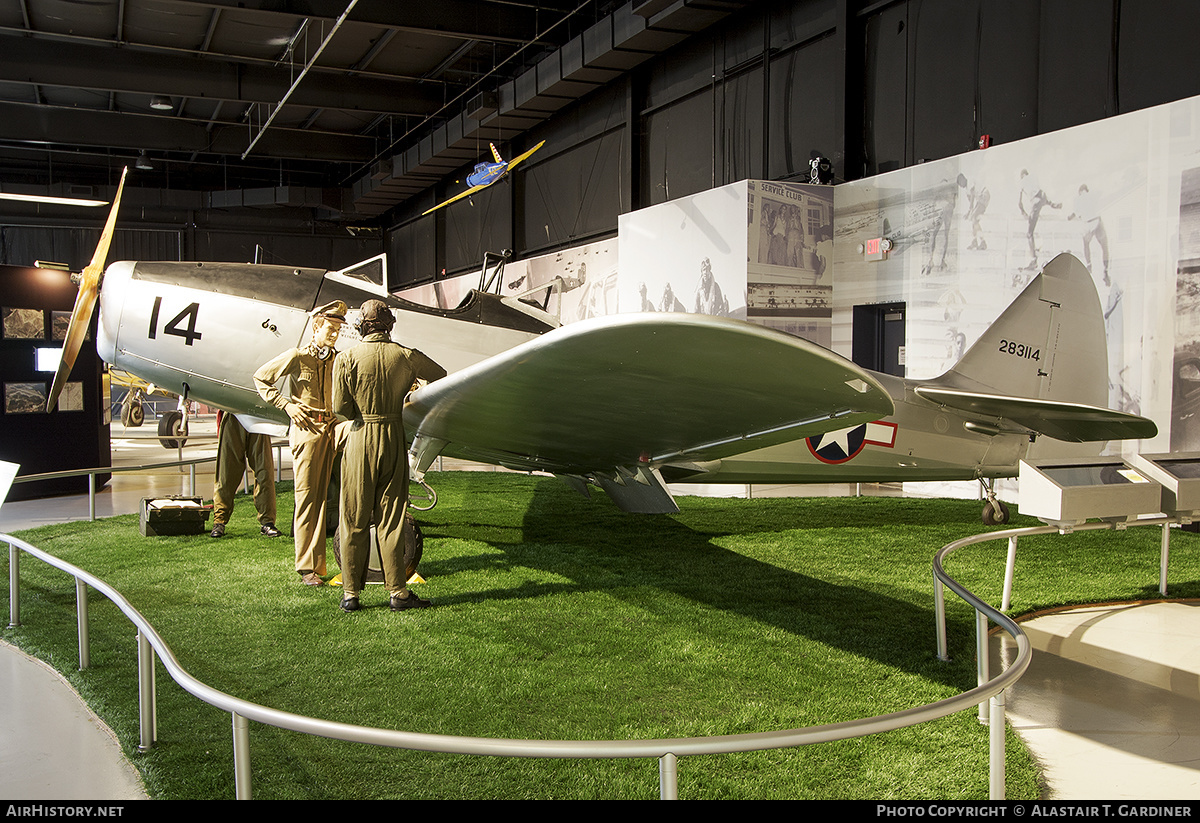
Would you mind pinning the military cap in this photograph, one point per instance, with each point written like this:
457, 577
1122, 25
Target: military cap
333, 310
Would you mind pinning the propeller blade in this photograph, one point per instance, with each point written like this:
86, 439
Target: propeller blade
85, 301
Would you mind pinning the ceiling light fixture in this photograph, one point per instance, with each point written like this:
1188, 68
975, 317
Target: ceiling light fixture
143, 163
57, 201
161, 102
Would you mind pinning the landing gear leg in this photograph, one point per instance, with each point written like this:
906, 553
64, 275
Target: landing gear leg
995, 512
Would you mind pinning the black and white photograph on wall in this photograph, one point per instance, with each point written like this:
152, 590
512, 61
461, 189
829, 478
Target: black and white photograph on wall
24, 398
60, 321
687, 255
968, 233
1185, 399
23, 324
585, 276
789, 276
71, 399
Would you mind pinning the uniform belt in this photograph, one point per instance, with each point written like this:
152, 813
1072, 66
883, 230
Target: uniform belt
382, 418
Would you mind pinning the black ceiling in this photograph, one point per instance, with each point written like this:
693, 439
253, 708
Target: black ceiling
78, 79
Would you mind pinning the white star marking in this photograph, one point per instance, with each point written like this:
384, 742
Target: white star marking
840, 437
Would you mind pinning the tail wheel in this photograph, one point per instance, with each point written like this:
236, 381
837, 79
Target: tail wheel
172, 430
137, 413
132, 413
995, 513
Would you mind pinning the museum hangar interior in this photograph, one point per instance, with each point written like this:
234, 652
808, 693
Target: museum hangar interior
303, 135
285, 133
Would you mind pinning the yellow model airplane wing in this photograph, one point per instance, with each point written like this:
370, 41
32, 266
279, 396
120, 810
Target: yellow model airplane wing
521, 157
455, 198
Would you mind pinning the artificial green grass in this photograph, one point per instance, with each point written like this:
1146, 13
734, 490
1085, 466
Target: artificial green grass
559, 617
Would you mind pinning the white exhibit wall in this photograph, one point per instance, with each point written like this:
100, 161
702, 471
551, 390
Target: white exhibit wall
969, 232
664, 250
957, 270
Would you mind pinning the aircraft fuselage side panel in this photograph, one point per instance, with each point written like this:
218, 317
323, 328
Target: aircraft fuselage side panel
210, 326
919, 442
172, 334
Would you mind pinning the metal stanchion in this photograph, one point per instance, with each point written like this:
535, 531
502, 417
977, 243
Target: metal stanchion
668, 777
81, 617
14, 586
147, 721
241, 757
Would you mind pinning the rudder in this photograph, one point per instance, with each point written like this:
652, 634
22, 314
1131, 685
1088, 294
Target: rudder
1049, 343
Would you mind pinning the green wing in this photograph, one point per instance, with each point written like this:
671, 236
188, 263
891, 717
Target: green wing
629, 392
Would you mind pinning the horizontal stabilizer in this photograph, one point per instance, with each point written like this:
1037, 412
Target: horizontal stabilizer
1072, 422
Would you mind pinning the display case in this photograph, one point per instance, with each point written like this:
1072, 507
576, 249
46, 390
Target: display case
1067, 492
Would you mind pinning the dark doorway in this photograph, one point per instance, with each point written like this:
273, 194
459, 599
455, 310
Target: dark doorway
878, 341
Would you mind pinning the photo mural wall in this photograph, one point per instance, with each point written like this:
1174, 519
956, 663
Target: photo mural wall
971, 231
968, 232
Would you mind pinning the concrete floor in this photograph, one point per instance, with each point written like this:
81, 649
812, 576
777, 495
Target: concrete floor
1109, 704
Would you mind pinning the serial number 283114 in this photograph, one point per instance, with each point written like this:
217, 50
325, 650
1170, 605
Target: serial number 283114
1020, 350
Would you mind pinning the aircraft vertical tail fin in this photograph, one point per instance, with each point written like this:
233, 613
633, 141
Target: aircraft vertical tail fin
496, 153
1048, 344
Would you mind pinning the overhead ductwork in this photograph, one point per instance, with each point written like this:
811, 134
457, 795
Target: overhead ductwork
622, 41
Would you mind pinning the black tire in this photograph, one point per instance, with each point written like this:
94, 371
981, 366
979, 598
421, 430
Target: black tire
172, 430
414, 547
995, 515
137, 414
125, 414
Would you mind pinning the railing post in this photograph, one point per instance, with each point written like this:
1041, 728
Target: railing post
147, 709
192, 479
939, 616
996, 766
982, 659
81, 618
92, 496
14, 586
1162, 561
1010, 565
668, 777
241, 757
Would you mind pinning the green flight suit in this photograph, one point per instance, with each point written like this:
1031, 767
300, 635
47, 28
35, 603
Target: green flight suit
370, 383
313, 453
235, 446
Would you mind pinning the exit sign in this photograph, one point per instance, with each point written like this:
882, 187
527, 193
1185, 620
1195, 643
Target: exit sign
876, 248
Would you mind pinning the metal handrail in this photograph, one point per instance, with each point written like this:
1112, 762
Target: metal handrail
667, 750
191, 463
993, 713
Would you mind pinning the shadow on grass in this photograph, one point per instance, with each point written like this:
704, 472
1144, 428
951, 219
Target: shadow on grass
637, 558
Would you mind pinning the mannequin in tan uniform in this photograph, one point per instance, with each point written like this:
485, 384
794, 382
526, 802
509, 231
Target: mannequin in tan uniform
235, 446
370, 383
311, 432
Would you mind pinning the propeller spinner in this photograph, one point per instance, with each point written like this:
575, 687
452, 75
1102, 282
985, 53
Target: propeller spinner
85, 301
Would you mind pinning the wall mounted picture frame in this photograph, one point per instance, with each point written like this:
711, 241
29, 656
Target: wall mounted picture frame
23, 324
24, 398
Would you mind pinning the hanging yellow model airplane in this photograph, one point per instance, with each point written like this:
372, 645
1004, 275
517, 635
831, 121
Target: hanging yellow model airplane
486, 174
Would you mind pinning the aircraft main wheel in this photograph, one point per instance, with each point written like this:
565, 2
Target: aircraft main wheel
995, 513
125, 412
172, 430
414, 547
137, 414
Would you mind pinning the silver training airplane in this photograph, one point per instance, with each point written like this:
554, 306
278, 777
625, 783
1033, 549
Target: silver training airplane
630, 402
